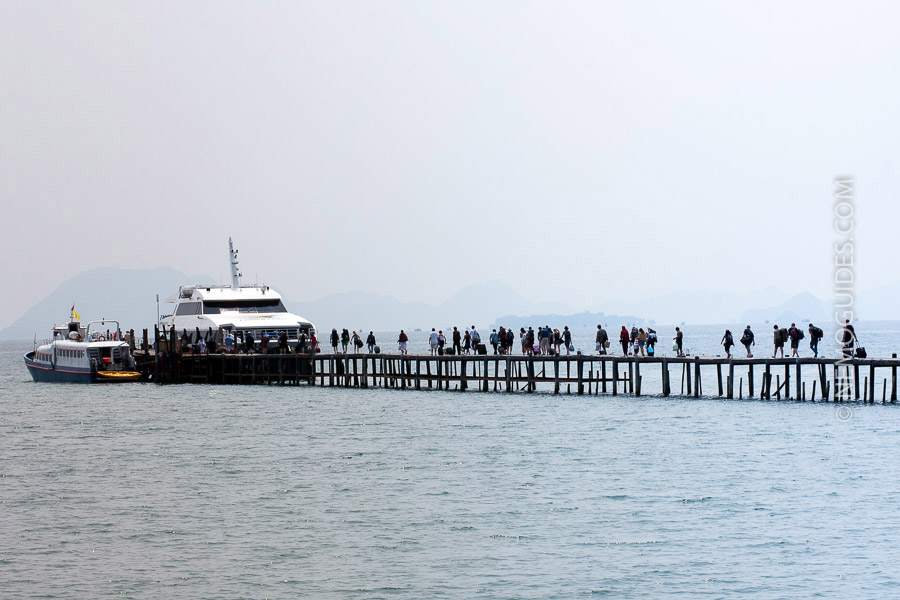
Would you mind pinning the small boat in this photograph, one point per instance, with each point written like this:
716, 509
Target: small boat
93, 353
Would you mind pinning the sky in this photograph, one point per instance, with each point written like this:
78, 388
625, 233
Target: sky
577, 151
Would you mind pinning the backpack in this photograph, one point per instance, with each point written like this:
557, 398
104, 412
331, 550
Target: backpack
817, 331
800, 334
782, 334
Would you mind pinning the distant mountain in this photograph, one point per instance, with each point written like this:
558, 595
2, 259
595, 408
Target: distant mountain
582, 319
794, 310
362, 310
700, 307
126, 295
472, 305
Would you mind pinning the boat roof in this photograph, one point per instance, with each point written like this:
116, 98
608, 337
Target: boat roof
245, 292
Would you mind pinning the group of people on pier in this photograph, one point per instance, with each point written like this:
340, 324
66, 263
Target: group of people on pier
793, 335
545, 341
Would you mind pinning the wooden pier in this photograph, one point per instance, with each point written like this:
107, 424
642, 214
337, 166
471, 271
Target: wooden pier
830, 379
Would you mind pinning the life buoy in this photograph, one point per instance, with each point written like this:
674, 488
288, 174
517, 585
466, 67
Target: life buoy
101, 338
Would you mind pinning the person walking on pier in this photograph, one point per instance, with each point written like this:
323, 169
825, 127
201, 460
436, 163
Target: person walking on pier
264, 343
815, 334
567, 339
250, 343
679, 342
476, 338
601, 339
457, 342
796, 335
433, 341
345, 340
848, 338
442, 341
510, 340
747, 339
728, 342
641, 341
335, 340
402, 342
495, 339
544, 334
313, 344
467, 342
557, 340
778, 338
651, 341
301, 342
523, 339
624, 340
283, 343
357, 342
501, 336
370, 342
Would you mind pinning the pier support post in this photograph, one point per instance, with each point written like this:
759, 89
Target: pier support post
580, 374
799, 379
872, 383
556, 374
615, 377
637, 377
666, 384
530, 367
696, 377
730, 378
767, 382
719, 378
631, 375
787, 382
603, 375
894, 380
750, 379
463, 374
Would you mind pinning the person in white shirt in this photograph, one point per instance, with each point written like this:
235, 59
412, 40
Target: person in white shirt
433, 341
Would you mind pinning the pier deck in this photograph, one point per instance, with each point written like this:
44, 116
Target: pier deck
834, 379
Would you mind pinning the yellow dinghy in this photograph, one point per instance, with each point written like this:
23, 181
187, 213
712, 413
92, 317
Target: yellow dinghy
117, 376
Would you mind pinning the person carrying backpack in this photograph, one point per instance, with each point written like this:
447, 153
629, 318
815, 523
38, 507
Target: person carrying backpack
728, 342
796, 335
748, 339
624, 339
778, 338
815, 334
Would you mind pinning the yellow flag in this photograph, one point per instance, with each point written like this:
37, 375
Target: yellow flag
75, 315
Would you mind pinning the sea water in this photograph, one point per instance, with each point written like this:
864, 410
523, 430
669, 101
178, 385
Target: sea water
196, 491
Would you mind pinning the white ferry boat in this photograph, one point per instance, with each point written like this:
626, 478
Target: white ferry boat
212, 312
95, 353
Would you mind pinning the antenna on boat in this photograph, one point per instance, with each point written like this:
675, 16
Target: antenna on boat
235, 269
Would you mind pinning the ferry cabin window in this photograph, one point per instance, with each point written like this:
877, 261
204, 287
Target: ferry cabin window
260, 305
188, 308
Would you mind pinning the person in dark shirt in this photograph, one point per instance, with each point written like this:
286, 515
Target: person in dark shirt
848, 339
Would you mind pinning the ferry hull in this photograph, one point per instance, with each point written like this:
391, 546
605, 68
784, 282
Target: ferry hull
49, 375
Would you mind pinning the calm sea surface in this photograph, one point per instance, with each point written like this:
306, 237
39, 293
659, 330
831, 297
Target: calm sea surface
195, 491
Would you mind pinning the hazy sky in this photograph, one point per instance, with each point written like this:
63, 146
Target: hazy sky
577, 151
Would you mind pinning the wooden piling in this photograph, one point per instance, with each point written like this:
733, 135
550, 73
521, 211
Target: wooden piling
637, 376
730, 393
696, 377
